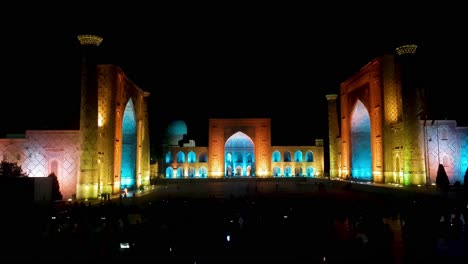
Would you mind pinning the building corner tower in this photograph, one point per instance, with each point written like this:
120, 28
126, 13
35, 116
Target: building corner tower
333, 134
414, 172
87, 183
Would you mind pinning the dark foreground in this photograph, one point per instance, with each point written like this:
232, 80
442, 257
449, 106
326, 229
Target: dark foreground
324, 224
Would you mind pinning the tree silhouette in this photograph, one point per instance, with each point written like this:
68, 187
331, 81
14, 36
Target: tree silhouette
465, 183
442, 180
11, 170
56, 194
465, 179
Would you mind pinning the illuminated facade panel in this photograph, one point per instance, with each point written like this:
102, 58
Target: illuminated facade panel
382, 136
303, 159
242, 148
41, 152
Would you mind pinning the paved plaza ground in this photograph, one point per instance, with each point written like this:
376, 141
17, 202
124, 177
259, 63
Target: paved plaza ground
244, 220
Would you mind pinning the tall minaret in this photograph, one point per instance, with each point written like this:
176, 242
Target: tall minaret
333, 134
414, 170
87, 184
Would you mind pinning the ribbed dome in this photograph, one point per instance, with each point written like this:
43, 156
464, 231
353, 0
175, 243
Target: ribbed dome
360, 122
175, 132
239, 140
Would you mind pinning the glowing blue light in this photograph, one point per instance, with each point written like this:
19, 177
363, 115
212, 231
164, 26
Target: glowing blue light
310, 171
239, 153
126, 182
276, 156
361, 154
463, 156
169, 157
175, 132
276, 171
180, 172
202, 172
309, 156
287, 171
191, 157
239, 157
169, 172
180, 157
298, 156
249, 158
127, 178
287, 156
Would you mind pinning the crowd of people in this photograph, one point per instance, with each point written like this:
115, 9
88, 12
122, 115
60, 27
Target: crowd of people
317, 228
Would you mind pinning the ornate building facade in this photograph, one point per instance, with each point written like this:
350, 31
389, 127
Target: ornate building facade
110, 152
114, 134
238, 148
381, 133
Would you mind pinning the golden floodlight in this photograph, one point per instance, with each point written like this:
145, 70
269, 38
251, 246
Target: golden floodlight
406, 49
90, 40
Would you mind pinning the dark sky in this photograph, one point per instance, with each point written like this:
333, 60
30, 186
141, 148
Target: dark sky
222, 61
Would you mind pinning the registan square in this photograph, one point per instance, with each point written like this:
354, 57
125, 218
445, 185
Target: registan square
386, 186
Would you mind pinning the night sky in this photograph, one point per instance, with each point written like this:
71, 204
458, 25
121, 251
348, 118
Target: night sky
202, 62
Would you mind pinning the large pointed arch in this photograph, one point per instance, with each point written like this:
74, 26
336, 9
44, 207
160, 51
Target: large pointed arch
276, 171
298, 156
361, 152
129, 140
242, 149
169, 172
203, 172
276, 156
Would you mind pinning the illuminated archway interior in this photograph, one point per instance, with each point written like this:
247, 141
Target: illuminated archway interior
191, 157
239, 155
191, 172
169, 172
180, 172
361, 155
203, 172
128, 147
276, 171
276, 156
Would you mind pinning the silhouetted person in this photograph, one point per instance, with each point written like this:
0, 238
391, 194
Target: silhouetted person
442, 180
465, 183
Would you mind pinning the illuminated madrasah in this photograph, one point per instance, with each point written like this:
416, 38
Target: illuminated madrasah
110, 152
237, 147
114, 134
380, 133
376, 134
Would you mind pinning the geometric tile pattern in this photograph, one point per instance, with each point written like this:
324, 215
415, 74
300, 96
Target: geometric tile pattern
317, 156
258, 131
174, 150
39, 148
444, 147
105, 95
411, 148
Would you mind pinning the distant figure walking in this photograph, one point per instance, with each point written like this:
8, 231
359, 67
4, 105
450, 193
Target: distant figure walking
241, 222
